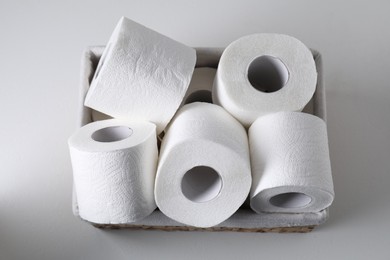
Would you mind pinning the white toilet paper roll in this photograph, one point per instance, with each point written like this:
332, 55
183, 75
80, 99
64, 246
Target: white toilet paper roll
114, 165
199, 90
200, 86
142, 75
290, 164
203, 175
264, 73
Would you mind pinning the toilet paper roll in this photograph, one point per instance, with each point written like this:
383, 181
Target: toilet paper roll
264, 73
203, 174
200, 86
142, 75
114, 164
290, 164
199, 90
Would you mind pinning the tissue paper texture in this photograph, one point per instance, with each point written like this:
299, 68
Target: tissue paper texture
114, 164
290, 164
264, 73
142, 75
203, 175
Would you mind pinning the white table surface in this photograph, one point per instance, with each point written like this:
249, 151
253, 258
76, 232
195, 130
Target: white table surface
41, 44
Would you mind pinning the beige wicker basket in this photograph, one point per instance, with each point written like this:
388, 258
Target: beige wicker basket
244, 220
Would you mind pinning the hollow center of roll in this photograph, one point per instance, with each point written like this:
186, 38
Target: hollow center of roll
201, 184
199, 96
290, 200
267, 74
112, 134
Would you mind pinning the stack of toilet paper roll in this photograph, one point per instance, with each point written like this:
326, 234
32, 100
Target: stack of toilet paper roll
229, 133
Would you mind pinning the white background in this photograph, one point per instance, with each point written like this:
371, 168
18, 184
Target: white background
41, 43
